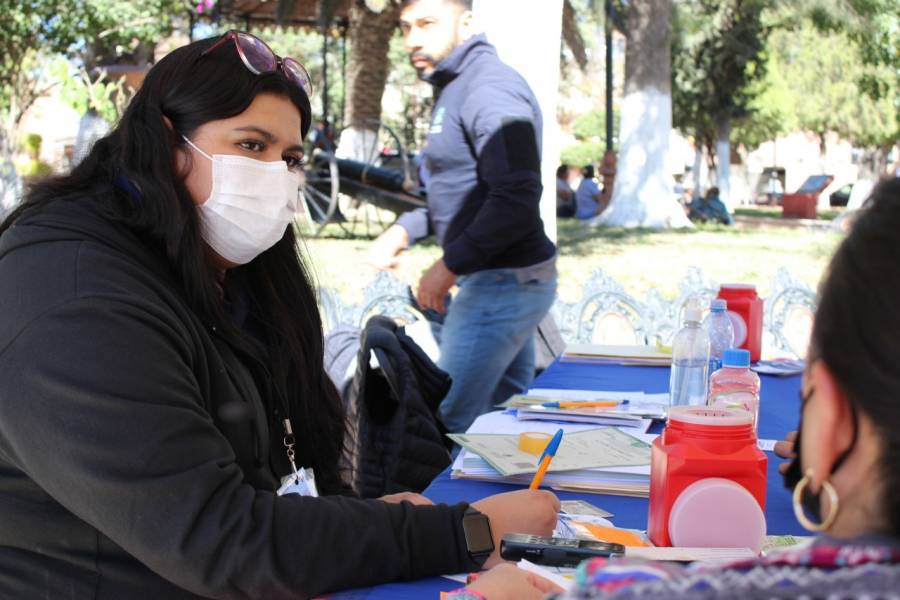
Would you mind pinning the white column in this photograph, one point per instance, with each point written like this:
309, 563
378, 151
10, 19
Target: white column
527, 34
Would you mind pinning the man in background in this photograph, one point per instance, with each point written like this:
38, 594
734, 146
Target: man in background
482, 157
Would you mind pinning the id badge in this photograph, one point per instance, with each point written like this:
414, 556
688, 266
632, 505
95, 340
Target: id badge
303, 483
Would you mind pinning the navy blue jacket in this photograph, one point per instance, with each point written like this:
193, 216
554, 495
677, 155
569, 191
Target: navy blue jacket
483, 165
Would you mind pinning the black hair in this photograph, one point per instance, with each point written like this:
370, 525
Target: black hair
712, 192
588, 171
189, 90
857, 329
562, 170
464, 4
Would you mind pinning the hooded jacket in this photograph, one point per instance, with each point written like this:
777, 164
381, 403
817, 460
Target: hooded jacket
483, 165
123, 472
401, 440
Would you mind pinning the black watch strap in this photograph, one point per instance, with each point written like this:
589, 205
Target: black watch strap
478, 534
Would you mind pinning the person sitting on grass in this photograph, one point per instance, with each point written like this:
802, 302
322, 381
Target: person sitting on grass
565, 197
587, 196
710, 208
846, 470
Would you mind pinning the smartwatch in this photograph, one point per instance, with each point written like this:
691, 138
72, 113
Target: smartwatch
479, 538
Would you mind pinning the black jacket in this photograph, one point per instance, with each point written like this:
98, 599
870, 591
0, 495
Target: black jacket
121, 476
401, 441
483, 165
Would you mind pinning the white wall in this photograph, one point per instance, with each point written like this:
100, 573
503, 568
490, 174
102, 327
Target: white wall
527, 34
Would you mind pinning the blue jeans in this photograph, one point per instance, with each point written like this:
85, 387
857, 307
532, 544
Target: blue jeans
487, 342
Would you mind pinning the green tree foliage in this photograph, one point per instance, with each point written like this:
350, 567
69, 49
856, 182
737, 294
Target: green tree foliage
115, 29
873, 26
718, 60
89, 31
589, 129
31, 29
772, 107
305, 45
583, 153
33, 166
814, 83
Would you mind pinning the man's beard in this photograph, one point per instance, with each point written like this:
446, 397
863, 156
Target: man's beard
424, 71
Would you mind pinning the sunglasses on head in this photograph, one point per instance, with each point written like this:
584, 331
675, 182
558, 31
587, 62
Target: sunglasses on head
259, 58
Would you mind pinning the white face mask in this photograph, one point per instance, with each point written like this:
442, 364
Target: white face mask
250, 205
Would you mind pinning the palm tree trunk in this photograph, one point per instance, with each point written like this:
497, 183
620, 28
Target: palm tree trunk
370, 35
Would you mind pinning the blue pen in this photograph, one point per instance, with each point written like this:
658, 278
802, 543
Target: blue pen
544, 460
593, 404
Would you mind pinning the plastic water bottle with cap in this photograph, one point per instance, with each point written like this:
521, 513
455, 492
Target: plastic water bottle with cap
721, 332
690, 362
735, 385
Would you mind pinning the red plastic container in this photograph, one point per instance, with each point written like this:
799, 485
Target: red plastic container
699, 443
802, 203
799, 206
745, 308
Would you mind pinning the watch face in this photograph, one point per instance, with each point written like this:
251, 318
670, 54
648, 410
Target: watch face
477, 530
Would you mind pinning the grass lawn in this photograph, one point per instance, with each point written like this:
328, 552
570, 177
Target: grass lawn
775, 212
639, 259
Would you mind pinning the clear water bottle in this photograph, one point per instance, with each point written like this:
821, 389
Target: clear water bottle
721, 332
735, 385
690, 362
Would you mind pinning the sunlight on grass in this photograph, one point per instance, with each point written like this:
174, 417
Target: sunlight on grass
639, 259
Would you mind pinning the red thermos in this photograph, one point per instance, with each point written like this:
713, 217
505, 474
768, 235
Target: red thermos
746, 311
707, 480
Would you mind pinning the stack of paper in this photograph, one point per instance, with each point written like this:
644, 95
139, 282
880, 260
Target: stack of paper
635, 409
599, 460
616, 355
592, 415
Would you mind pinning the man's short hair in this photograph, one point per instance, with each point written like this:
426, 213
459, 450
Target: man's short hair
464, 4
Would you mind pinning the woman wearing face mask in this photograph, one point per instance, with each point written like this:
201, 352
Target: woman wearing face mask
161, 367
846, 475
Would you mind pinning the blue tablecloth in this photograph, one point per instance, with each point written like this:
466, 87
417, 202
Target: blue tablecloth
779, 411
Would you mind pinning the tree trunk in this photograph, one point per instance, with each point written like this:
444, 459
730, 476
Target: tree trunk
370, 35
644, 192
698, 164
723, 164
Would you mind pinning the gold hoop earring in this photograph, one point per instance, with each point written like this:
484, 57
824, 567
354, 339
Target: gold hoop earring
833, 501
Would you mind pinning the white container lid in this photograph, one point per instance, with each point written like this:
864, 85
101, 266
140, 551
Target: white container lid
717, 513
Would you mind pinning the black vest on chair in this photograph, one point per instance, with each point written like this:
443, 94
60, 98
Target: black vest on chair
399, 441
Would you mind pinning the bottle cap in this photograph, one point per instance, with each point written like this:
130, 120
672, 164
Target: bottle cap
692, 313
718, 304
736, 357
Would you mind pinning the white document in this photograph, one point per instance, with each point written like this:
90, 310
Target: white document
591, 449
504, 422
766, 445
639, 403
577, 508
586, 395
630, 480
554, 575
